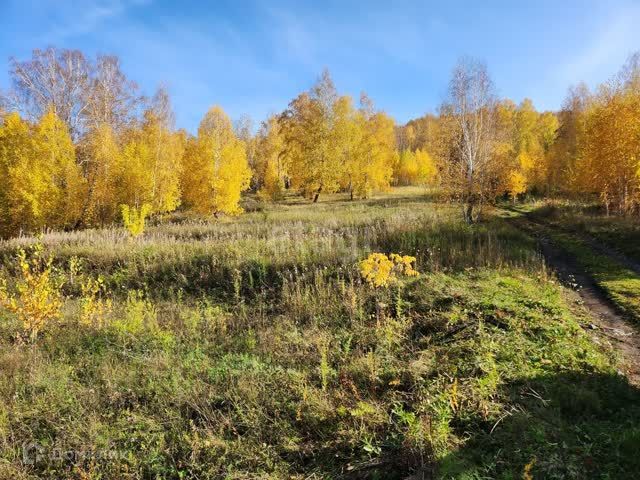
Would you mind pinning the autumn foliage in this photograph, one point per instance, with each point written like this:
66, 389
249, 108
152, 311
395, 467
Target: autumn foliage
215, 167
381, 270
35, 298
331, 146
72, 152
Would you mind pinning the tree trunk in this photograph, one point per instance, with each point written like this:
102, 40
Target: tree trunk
315, 197
467, 212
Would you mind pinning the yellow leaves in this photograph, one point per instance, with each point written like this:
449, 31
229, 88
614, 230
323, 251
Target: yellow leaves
416, 168
521, 147
134, 218
530, 136
517, 184
377, 269
36, 299
140, 165
311, 139
608, 164
216, 171
380, 270
135, 173
17, 209
41, 182
375, 154
547, 129
427, 170
139, 314
330, 145
103, 174
67, 185
526, 161
165, 150
270, 164
44, 185
526, 473
406, 171
231, 179
151, 166
272, 185
404, 264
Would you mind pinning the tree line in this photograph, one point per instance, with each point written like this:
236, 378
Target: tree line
79, 145
323, 144
486, 148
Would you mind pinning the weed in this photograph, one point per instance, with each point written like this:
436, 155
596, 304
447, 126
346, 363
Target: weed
93, 304
253, 347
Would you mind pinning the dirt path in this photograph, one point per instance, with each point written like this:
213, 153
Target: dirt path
608, 325
592, 242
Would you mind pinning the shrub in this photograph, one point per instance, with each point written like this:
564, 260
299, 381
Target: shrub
36, 299
93, 304
379, 270
139, 313
134, 218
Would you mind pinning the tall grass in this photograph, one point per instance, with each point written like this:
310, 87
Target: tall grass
201, 257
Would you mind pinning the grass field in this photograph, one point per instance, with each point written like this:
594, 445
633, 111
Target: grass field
584, 232
251, 348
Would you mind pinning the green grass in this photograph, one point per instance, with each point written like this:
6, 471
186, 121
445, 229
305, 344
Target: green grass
621, 233
617, 281
258, 352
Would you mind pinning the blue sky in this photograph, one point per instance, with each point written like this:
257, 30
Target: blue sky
254, 57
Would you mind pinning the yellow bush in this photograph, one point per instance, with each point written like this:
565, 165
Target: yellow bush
37, 299
526, 474
139, 314
379, 270
134, 218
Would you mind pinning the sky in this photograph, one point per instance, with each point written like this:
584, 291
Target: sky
253, 57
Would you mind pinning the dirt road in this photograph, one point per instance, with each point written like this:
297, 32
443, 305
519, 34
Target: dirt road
608, 324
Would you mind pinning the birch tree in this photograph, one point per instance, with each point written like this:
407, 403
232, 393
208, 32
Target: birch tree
215, 171
470, 170
310, 140
52, 79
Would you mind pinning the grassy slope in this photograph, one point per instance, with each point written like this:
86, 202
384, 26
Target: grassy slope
258, 353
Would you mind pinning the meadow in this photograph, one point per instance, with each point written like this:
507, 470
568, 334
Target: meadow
251, 347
